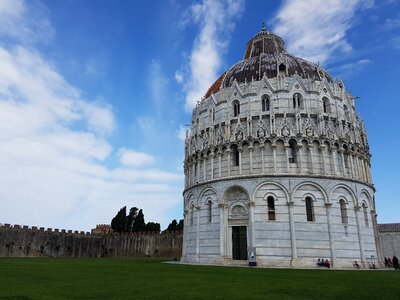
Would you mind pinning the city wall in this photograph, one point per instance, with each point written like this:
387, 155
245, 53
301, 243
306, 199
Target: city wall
24, 241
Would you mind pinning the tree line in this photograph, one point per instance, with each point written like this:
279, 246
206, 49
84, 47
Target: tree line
133, 221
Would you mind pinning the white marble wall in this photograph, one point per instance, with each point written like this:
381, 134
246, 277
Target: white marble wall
290, 240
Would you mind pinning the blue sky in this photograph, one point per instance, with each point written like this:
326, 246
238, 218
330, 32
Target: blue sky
95, 95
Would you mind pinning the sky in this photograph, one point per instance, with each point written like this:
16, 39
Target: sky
95, 96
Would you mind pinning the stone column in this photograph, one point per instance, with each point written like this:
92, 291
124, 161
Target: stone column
212, 164
292, 230
342, 160
228, 151
197, 233
262, 159
186, 225
251, 159
251, 223
240, 150
188, 176
287, 149
300, 159
222, 229
379, 252
219, 163
331, 240
310, 148
367, 171
360, 239
356, 173
204, 168
362, 170
335, 171
273, 147
352, 175
198, 171
322, 148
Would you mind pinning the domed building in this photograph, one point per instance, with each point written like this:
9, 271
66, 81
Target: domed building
277, 167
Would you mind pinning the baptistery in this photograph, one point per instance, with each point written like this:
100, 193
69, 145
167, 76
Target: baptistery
277, 167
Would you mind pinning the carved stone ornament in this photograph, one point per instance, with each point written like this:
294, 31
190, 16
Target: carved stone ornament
239, 136
238, 132
238, 211
285, 131
205, 140
236, 195
260, 133
220, 136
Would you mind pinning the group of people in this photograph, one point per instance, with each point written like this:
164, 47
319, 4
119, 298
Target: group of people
323, 263
392, 262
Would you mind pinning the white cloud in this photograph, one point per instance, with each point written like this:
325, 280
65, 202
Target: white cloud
316, 29
54, 144
134, 158
15, 24
350, 69
216, 20
157, 84
182, 133
146, 124
96, 65
395, 43
392, 23
178, 76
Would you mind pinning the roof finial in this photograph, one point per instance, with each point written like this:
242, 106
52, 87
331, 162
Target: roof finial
263, 28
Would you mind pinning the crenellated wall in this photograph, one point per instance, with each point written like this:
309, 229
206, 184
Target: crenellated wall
22, 241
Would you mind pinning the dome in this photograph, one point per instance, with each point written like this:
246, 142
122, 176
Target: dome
266, 55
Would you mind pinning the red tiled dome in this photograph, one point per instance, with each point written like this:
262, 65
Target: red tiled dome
263, 52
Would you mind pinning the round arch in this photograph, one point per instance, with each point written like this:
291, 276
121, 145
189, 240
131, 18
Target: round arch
368, 196
317, 186
341, 185
205, 190
272, 183
233, 187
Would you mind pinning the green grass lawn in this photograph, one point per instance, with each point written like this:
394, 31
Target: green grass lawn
26, 278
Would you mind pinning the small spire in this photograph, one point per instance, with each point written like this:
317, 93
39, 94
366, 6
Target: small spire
263, 28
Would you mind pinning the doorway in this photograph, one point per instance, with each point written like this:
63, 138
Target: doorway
239, 242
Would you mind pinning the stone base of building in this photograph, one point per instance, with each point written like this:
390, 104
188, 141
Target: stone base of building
294, 263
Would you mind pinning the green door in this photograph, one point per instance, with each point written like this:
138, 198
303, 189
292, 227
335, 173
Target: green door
239, 242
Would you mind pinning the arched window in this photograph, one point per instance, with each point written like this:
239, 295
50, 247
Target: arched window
265, 103
235, 155
365, 210
271, 208
292, 151
209, 208
297, 101
326, 105
236, 108
343, 211
282, 69
310, 209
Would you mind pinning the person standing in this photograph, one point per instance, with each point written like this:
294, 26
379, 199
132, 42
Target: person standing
395, 261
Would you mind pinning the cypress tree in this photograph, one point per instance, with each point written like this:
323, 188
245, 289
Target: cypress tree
118, 223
